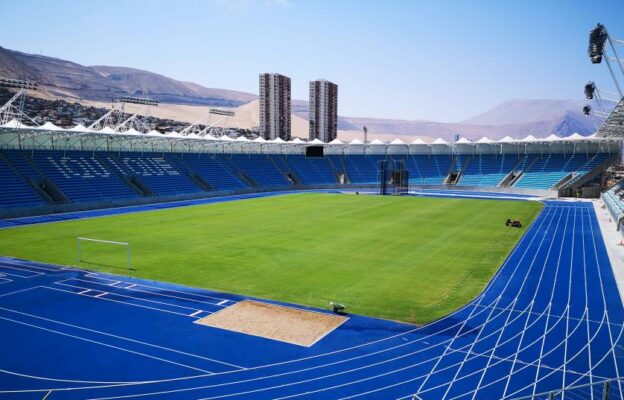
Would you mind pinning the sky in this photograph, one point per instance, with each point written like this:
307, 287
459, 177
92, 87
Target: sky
419, 60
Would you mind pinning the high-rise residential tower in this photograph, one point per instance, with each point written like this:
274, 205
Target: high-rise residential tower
323, 110
274, 106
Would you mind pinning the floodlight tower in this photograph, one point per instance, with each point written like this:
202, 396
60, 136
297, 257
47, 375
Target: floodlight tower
195, 127
113, 117
222, 114
598, 38
135, 121
14, 108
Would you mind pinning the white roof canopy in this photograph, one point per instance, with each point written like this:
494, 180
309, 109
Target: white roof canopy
376, 141
440, 141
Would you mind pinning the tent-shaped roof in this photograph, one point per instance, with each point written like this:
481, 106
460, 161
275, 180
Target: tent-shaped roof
317, 141
79, 128
507, 139
419, 141
575, 136
356, 141
336, 141
552, 138
440, 141
397, 141
277, 140
107, 129
225, 138
529, 138
463, 141
242, 139
12, 124
297, 140
154, 133
485, 139
49, 126
259, 139
376, 141
132, 131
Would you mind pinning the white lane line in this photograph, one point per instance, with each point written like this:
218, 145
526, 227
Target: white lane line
222, 302
196, 312
101, 294
123, 338
84, 291
105, 345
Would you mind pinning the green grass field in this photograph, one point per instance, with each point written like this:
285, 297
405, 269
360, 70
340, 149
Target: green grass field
403, 258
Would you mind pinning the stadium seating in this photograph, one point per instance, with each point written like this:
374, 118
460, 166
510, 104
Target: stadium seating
428, 169
212, 170
259, 167
159, 175
546, 171
20, 194
487, 169
83, 176
311, 171
614, 199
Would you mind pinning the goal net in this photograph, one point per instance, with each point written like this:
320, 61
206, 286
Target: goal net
106, 253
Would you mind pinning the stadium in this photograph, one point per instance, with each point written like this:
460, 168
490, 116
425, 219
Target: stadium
137, 264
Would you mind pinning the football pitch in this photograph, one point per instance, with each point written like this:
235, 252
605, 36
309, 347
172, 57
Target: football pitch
403, 258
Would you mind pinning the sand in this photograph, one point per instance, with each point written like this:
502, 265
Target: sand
286, 324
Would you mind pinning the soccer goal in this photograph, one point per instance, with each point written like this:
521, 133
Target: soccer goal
89, 249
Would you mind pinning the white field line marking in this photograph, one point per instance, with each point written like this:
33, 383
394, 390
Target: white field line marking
525, 237
160, 289
101, 294
122, 338
552, 291
127, 296
104, 344
151, 293
602, 290
84, 291
35, 273
605, 316
19, 291
222, 302
28, 264
531, 236
114, 301
196, 312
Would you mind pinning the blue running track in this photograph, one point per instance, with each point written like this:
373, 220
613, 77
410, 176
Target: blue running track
551, 318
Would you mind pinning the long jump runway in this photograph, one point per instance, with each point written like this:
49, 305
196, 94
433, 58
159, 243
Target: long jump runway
551, 318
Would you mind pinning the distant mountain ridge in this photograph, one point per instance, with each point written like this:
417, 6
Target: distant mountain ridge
102, 83
72, 81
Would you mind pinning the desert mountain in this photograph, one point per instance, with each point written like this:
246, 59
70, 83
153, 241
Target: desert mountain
187, 101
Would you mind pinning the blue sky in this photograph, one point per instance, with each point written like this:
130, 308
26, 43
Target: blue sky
433, 60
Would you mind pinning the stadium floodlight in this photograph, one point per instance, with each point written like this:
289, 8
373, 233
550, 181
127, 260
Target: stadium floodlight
221, 111
13, 110
590, 88
597, 43
596, 50
138, 100
18, 84
587, 109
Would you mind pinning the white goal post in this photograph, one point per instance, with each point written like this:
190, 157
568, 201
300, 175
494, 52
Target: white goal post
84, 239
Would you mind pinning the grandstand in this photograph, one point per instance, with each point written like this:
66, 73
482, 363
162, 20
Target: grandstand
68, 170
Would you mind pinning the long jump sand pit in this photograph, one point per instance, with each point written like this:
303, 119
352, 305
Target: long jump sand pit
286, 324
